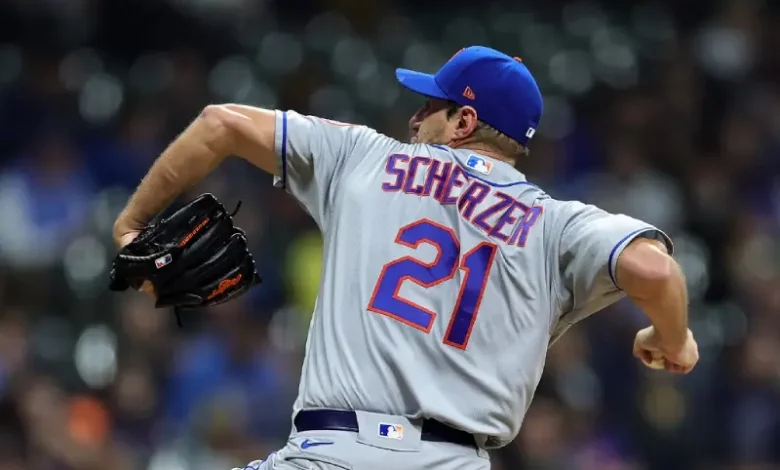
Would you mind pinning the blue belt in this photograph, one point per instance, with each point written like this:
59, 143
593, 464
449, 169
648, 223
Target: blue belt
340, 420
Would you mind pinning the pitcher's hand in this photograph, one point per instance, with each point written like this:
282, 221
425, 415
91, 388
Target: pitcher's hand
655, 354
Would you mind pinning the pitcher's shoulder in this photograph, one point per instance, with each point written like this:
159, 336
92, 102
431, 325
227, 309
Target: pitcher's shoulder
560, 213
562, 206
373, 143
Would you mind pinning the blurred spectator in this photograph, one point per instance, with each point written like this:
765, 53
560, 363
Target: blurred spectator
44, 199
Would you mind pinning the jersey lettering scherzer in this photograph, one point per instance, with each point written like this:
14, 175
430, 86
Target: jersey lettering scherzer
446, 275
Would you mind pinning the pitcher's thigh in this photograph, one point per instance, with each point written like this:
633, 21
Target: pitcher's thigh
293, 460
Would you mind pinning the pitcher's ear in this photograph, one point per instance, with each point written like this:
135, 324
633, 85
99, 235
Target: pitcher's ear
468, 120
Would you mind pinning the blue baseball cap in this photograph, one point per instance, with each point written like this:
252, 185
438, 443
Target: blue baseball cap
499, 87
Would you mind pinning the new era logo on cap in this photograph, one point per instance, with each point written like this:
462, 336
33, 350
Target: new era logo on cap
391, 431
479, 164
163, 261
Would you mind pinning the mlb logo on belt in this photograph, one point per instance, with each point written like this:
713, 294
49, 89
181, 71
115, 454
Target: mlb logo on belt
163, 261
479, 164
391, 431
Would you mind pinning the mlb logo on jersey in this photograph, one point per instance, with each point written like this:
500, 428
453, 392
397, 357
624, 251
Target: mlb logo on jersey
163, 261
479, 164
391, 431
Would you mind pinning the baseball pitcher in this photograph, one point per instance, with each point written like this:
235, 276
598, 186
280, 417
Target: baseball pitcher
447, 275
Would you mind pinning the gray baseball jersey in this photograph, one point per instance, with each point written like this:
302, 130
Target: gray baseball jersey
446, 275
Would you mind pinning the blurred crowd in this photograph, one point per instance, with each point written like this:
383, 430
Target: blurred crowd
665, 110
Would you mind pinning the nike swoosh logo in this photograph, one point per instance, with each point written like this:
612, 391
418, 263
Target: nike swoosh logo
307, 443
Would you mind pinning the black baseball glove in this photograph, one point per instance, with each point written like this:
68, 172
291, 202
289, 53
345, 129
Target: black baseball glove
194, 258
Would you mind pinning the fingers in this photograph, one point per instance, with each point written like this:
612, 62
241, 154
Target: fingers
126, 239
677, 369
650, 359
666, 365
685, 363
645, 356
654, 360
647, 350
674, 368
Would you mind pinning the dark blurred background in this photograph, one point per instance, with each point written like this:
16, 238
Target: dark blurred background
665, 110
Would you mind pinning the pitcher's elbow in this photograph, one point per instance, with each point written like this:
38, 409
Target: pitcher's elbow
216, 117
656, 267
217, 121
644, 267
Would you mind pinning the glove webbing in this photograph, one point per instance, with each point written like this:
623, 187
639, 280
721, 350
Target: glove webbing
177, 310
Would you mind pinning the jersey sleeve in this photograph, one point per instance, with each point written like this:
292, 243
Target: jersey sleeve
586, 242
311, 154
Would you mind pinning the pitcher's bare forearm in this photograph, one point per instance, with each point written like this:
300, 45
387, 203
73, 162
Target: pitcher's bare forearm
184, 163
219, 131
655, 282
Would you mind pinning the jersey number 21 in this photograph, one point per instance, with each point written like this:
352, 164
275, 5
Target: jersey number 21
476, 263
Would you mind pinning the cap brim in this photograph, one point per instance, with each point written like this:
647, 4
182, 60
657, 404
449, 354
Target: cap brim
422, 83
